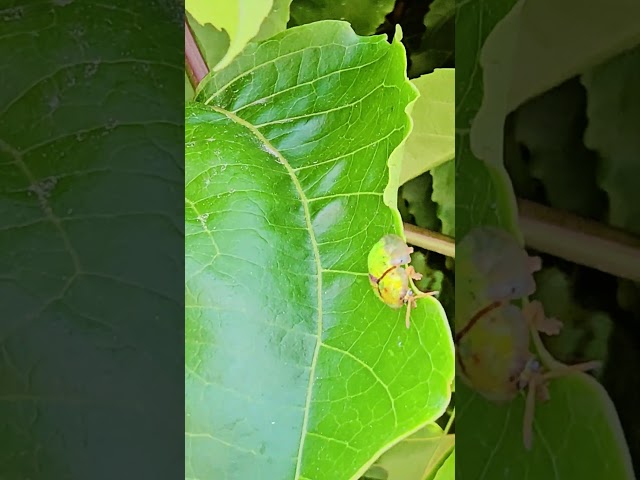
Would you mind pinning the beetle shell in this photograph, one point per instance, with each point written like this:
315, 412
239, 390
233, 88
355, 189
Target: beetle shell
393, 287
389, 251
493, 355
491, 266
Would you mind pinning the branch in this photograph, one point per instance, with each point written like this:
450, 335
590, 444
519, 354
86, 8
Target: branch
580, 241
194, 62
432, 241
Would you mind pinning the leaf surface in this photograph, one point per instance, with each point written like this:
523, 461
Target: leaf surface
364, 15
239, 19
448, 470
294, 368
438, 40
432, 140
578, 426
418, 456
91, 240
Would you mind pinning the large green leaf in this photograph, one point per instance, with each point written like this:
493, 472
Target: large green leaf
579, 420
365, 16
483, 193
431, 142
91, 239
294, 368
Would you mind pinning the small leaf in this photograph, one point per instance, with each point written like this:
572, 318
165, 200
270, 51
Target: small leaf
188, 89
431, 142
364, 15
613, 104
213, 43
240, 19
444, 195
415, 197
436, 48
448, 470
418, 456
275, 22
585, 333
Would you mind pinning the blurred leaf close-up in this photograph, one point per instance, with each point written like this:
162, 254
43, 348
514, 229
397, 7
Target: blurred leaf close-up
508, 152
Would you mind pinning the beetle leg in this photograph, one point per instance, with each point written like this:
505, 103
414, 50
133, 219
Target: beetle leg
568, 369
534, 313
411, 272
410, 300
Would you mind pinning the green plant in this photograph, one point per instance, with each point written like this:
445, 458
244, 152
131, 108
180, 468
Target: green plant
579, 423
294, 143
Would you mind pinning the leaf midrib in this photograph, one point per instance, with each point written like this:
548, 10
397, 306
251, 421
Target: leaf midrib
316, 255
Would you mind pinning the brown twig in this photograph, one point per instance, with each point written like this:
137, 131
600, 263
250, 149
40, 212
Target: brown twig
580, 241
432, 241
196, 67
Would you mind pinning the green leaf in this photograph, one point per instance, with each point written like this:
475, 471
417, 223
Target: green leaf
613, 103
294, 368
440, 12
579, 421
585, 333
437, 46
612, 99
551, 128
365, 16
239, 19
444, 195
416, 203
596, 34
573, 433
431, 142
448, 470
91, 239
275, 22
418, 456
188, 89
213, 43
483, 191
431, 279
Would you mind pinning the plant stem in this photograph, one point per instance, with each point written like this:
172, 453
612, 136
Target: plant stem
450, 422
581, 241
432, 241
195, 65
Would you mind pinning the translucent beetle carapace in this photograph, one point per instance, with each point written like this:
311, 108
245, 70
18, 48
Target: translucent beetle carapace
390, 274
495, 322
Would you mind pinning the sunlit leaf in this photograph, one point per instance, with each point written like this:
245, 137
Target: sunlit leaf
239, 19
431, 142
294, 368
